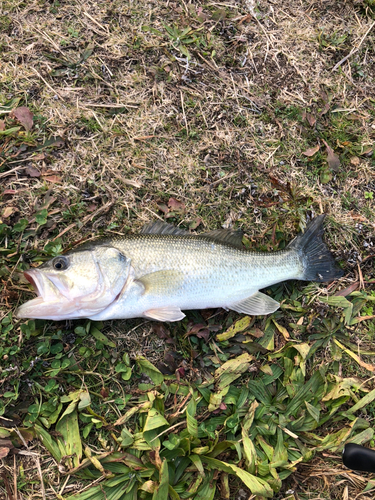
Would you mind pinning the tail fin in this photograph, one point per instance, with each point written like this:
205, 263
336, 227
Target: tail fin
318, 262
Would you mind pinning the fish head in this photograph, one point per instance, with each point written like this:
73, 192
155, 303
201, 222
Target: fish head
78, 284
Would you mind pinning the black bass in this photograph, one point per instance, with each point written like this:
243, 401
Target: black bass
164, 270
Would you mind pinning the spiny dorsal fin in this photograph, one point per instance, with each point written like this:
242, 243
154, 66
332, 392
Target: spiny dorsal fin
225, 236
160, 227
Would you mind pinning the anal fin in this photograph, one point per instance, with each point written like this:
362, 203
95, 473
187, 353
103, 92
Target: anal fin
256, 304
165, 314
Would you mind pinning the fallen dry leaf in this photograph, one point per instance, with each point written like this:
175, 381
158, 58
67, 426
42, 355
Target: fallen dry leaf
354, 161
2, 125
24, 116
175, 205
332, 159
8, 211
325, 109
32, 172
348, 290
311, 151
162, 207
311, 119
195, 223
4, 451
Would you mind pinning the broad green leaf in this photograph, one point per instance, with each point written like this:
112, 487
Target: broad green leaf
154, 422
231, 370
149, 369
48, 441
85, 400
192, 424
207, 489
4, 433
363, 437
367, 366
239, 326
217, 398
313, 410
281, 452
366, 400
249, 451
67, 426
256, 485
98, 335
161, 492
198, 463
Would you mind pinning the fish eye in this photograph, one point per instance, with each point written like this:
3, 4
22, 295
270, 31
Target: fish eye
60, 263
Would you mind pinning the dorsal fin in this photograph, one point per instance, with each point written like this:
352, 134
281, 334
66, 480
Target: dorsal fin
160, 227
227, 236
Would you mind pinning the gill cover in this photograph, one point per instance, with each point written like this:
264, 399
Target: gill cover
76, 285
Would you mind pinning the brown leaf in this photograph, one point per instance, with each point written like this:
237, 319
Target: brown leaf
24, 116
311, 119
354, 161
195, 223
161, 331
162, 207
104, 392
55, 179
311, 151
32, 172
40, 156
255, 332
332, 159
348, 290
8, 211
325, 109
92, 207
2, 125
175, 205
4, 451
324, 95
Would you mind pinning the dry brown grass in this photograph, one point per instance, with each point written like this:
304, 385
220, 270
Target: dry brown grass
141, 124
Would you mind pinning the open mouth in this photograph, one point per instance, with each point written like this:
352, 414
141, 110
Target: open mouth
33, 280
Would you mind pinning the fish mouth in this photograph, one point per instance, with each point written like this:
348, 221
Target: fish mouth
48, 300
32, 278
53, 302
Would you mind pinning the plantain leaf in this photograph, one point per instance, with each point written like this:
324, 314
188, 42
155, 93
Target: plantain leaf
98, 335
231, 370
256, 485
239, 326
192, 424
149, 369
161, 492
70, 439
48, 442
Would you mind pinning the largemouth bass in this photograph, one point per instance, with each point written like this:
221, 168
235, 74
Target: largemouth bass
164, 270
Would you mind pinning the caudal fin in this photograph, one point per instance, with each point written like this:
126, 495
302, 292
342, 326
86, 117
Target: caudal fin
318, 262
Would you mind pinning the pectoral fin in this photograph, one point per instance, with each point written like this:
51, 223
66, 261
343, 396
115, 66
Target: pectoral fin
165, 314
256, 304
162, 282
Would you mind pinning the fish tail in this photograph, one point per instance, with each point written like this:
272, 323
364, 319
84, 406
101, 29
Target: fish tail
318, 262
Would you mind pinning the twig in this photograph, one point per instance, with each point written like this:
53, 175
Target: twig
5, 174
354, 50
183, 112
48, 85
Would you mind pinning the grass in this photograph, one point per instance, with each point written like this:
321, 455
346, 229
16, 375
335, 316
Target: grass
205, 115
